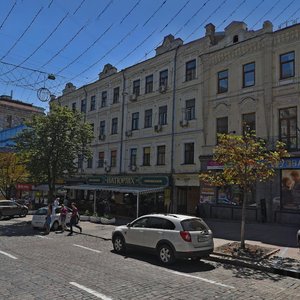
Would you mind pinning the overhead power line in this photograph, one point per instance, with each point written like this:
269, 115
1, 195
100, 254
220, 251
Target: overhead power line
272, 7
7, 16
24, 32
125, 17
104, 9
283, 10
79, 6
159, 8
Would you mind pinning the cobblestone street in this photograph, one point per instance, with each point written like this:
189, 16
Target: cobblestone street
58, 266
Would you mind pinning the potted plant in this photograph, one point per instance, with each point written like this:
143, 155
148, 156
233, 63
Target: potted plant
108, 219
85, 216
95, 218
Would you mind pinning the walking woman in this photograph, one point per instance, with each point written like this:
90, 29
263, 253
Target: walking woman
74, 219
48, 219
63, 216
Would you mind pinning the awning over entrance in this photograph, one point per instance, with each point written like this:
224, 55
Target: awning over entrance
121, 189
137, 190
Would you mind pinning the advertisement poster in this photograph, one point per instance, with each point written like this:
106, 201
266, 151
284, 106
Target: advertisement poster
290, 189
207, 195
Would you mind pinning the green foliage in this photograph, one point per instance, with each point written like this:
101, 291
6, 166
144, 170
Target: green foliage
246, 160
51, 144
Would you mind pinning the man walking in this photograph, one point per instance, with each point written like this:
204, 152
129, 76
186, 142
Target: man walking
63, 216
74, 219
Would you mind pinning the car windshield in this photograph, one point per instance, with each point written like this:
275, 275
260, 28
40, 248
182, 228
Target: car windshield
193, 225
41, 211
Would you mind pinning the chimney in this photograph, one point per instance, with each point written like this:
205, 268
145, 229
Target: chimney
210, 32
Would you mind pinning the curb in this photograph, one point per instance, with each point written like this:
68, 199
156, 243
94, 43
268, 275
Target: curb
254, 265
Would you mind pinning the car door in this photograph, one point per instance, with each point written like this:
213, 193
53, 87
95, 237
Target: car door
135, 233
5, 208
14, 208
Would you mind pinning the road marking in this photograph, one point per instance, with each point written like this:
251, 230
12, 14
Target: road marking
44, 237
201, 278
95, 293
87, 248
7, 254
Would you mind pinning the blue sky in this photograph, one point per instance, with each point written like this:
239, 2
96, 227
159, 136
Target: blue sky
74, 39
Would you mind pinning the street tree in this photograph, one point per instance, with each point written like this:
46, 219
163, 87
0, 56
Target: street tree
53, 143
246, 161
12, 171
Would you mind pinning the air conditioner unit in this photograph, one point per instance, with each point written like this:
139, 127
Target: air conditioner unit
107, 169
184, 123
158, 128
102, 137
128, 133
163, 88
133, 168
133, 97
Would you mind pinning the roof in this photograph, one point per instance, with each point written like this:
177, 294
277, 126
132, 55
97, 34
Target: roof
121, 189
21, 105
171, 216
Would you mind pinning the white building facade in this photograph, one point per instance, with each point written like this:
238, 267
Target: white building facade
159, 118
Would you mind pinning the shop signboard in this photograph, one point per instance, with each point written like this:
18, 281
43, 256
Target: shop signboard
289, 163
24, 187
130, 180
213, 165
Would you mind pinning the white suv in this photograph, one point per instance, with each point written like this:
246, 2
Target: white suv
170, 236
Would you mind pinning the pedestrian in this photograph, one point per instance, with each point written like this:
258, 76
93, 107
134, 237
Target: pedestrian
48, 219
74, 219
63, 216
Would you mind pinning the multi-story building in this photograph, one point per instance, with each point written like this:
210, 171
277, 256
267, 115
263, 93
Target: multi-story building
159, 118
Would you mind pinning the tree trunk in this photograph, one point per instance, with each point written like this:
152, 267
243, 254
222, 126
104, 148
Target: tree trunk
243, 220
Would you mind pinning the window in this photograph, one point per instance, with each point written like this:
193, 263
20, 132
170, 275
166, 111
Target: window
249, 74
288, 127
141, 223
163, 78
248, 122
90, 163
162, 115
235, 39
113, 158
9, 121
80, 161
287, 65
136, 87
93, 103
103, 99
161, 153
101, 159
102, 128
222, 125
73, 106
190, 70
190, 109
146, 156
92, 127
133, 155
160, 223
114, 126
149, 84
135, 121
116, 95
223, 81
189, 153
148, 118
83, 106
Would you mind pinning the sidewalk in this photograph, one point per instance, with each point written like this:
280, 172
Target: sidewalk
282, 237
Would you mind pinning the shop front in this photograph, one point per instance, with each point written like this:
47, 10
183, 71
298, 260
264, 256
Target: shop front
124, 195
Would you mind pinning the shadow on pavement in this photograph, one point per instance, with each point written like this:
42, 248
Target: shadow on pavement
183, 265
18, 229
243, 272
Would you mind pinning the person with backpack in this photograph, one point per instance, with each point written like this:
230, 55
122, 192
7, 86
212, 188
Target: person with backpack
74, 219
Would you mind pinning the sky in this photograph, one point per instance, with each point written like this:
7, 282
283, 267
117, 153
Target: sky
74, 39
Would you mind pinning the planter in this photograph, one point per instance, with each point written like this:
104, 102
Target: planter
108, 221
84, 218
94, 219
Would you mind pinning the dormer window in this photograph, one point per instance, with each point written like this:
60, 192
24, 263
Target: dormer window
235, 39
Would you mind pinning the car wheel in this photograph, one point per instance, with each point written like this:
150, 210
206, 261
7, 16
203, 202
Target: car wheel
55, 226
166, 254
23, 213
119, 244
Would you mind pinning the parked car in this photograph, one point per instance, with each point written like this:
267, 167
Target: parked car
39, 218
169, 236
9, 208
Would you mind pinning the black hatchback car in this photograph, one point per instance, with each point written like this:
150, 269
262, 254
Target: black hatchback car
10, 208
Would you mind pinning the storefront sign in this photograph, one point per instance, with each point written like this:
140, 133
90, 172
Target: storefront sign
213, 165
24, 187
289, 163
130, 180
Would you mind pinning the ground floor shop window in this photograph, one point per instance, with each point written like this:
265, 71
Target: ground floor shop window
182, 200
290, 189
